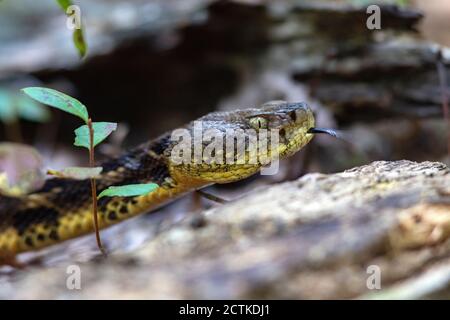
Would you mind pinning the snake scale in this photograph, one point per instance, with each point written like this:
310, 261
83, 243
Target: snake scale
61, 209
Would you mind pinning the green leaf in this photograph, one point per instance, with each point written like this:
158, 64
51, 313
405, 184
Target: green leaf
130, 190
79, 42
29, 109
78, 173
58, 100
101, 131
64, 4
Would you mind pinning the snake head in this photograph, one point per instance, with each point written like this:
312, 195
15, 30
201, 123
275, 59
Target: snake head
228, 146
292, 121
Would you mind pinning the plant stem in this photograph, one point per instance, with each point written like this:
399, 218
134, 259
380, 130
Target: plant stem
94, 187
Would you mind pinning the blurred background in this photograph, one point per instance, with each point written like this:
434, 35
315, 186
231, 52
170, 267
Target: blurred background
156, 64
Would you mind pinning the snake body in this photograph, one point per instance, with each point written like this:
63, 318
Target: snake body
61, 209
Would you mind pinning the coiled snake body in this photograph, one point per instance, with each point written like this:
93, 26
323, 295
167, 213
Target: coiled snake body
62, 210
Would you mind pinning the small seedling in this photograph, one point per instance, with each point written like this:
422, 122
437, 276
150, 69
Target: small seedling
87, 136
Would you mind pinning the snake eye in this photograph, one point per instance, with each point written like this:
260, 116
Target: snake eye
259, 123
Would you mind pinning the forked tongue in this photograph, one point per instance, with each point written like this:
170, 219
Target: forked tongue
334, 133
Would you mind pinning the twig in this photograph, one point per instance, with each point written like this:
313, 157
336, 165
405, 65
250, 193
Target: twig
211, 197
